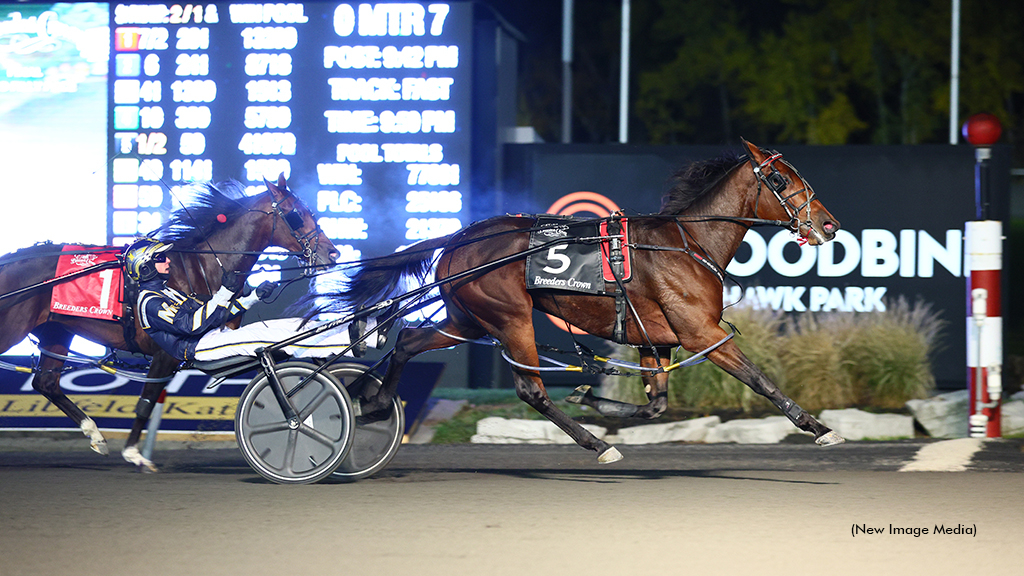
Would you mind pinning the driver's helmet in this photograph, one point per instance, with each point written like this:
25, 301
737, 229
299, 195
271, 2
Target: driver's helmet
141, 256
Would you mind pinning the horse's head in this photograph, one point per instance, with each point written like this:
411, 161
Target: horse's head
298, 230
792, 198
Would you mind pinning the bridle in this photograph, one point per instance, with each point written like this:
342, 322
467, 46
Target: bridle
769, 176
307, 241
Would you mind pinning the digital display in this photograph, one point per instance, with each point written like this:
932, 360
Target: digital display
53, 93
110, 110
364, 107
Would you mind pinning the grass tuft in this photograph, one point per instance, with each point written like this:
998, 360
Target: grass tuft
820, 360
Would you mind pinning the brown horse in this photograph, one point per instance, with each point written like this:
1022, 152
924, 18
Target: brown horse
215, 235
676, 289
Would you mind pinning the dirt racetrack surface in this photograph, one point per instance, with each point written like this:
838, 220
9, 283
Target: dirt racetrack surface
517, 510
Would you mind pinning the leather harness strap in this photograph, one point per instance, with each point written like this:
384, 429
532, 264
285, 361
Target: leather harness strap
615, 262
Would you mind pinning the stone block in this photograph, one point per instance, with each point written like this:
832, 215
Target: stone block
497, 430
770, 430
943, 415
854, 424
1012, 413
682, 431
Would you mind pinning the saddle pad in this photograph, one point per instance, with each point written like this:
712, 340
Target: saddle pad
96, 295
568, 266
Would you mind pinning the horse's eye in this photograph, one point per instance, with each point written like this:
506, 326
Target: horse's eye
776, 181
294, 220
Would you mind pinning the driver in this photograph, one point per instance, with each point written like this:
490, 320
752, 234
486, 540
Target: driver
190, 329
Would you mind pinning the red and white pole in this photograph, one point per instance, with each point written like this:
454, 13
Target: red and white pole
984, 242
984, 328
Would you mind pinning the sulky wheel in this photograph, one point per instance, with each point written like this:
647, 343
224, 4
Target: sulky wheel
374, 443
311, 452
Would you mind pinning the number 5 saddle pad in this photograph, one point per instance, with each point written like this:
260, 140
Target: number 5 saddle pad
96, 295
572, 266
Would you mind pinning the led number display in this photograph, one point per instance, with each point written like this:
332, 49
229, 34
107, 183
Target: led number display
364, 107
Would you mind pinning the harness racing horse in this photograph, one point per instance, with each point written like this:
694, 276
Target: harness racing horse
676, 288
215, 235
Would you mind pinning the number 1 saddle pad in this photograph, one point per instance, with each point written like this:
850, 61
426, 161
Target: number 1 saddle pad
575, 267
96, 295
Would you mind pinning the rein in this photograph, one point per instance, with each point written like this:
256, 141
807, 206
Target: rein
64, 278
18, 258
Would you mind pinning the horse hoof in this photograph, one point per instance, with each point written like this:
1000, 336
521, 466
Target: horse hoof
577, 395
96, 440
132, 455
830, 439
610, 455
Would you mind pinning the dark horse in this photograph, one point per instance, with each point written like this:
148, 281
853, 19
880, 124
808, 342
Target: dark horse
215, 235
676, 290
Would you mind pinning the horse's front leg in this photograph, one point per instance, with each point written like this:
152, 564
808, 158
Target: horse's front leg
162, 365
655, 386
732, 360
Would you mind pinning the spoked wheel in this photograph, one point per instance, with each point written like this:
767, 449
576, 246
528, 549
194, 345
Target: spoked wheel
374, 443
304, 455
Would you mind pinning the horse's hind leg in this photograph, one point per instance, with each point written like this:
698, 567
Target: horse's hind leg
55, 339
732, 360
655, 386
530, 389
163, 365
410, 343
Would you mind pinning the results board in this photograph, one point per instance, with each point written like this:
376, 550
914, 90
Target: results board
364, 107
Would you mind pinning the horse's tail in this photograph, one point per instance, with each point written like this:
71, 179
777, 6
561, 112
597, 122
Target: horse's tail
381, 278
376, 279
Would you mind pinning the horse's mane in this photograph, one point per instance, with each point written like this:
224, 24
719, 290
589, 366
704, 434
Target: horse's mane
46, 248
195, 222
697, 181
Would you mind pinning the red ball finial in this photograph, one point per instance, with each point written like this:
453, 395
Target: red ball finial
982, 129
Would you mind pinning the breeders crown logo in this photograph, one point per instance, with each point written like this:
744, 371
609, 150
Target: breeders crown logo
83, 260
554, 231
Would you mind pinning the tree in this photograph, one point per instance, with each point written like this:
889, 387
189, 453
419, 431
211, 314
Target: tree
780, 71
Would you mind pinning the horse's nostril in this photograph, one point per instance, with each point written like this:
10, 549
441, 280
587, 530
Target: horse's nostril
828, 227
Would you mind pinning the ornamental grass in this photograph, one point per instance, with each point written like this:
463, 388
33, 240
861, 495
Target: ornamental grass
820, 360
888, 356
708, 387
